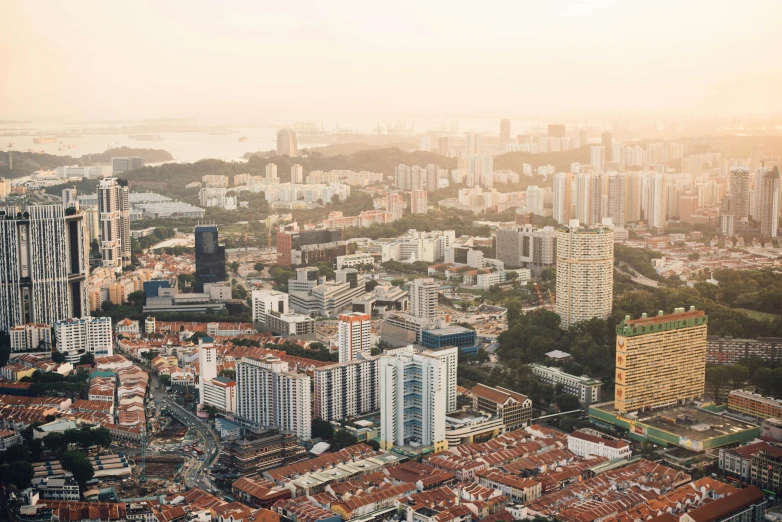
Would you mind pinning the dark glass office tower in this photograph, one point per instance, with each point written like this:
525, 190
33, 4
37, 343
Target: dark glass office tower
209, 257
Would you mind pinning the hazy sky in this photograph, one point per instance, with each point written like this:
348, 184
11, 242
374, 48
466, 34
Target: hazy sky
286, 60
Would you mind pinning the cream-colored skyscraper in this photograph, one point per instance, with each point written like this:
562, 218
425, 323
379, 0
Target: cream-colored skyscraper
585, 273
413, 400
660, 360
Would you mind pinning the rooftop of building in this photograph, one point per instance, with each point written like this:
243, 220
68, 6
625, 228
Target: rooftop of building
685, 421
449, 330
744, 394
679, 319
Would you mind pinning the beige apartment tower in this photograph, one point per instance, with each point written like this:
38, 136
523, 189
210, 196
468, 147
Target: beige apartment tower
660, 360
585, 273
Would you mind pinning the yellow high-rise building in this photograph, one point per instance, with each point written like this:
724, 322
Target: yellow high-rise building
660, 360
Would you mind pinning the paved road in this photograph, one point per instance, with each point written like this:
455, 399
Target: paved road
639, 278
195, 471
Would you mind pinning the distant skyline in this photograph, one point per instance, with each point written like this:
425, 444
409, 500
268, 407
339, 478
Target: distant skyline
366, 62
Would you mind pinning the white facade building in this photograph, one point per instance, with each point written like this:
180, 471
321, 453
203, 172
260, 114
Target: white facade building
77, 337
265, 301
347, 390
351, 260
207, 362
353, 336
269, 396
412, 401
588, 443
219, 392
31, 336
114, 216
423, 298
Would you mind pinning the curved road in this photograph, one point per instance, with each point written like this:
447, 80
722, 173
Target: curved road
194, 472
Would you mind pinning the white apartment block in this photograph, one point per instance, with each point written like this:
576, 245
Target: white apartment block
585, 388
290, 323
330, 298
418, 246
114, 216
585, 273
31, 336
219, 392
486, 281
423, 298
266, 301
306, 279
449, 357
269, 396
527, 246
354, 336
77, 337
207, 363
294, 404
588, 443
347, 390
412, 401
352, 260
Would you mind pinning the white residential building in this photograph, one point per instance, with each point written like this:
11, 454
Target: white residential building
207, 362
353, 336
348, 389
412, 401
266, 301
418, 246
585, 388
589, 443
219, 392
114, 216
31, 336
352, 260
423, 298
77, 337
449, 356
269, 396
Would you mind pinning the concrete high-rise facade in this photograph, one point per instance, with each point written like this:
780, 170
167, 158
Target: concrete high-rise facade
78, 337
769, 202
354, 336
660, 360
418, 202
270, 396
271, 172
44, 263
504, 131
617, 196
597, 157
449, 356
432, 176
423, 298
297, 174
347, 389
394, 205
561, 197
606, 140
267, 301
207, 363
114, 216
657, 202
403, 177
286, 143
413, 401
585, 273
739, 190
527, 247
